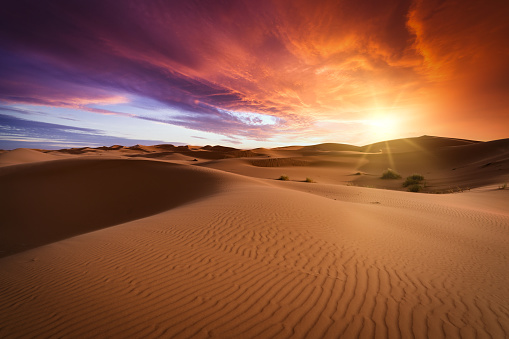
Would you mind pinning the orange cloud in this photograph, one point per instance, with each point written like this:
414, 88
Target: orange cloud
465, 59
321, 67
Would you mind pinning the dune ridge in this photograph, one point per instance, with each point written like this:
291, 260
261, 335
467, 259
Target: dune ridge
102, 192
222, 249
23, 155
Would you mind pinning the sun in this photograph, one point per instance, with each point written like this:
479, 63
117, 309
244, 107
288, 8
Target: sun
383, 128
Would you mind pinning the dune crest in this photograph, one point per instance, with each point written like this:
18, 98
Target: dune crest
49, 201
24, 155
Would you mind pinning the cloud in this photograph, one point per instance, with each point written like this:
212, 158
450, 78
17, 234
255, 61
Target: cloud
464, 51
16, 132
296, 61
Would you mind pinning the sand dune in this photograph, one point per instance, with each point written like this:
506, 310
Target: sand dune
164, 156
24, 155
464, 166
422, 143
280, 162
49, 201
224, 250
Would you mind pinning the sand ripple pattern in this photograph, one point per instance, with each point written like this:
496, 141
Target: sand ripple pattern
265, 262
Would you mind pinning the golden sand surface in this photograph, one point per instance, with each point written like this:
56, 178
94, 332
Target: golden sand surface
198, 242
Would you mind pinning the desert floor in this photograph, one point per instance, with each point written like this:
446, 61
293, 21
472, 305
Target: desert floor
180, 242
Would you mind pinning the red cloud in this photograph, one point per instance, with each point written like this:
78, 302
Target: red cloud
301, 61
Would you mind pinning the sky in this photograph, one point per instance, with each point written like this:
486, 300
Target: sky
251, 74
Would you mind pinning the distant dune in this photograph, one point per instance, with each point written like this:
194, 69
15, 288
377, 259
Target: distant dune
196, 242
424, 142
23, 155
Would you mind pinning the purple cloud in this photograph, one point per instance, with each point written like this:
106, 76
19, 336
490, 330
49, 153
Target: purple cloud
299, 61
14, 132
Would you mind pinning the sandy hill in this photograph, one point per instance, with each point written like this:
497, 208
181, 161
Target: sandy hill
149, 243
457, 167
321, 147
219, 148
46, 195
424, 142
111, 148
331, 147
23, 155
447, 164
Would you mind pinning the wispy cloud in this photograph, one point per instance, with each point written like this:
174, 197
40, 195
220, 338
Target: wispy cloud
298, 61
16, 132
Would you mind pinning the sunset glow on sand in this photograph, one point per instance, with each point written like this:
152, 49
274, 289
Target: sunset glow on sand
250, 73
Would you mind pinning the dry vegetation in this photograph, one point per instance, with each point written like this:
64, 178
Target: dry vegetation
390, 174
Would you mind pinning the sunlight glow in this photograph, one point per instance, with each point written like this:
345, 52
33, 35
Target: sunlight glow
384, 128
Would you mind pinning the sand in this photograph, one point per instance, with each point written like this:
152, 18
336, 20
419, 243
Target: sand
110, 244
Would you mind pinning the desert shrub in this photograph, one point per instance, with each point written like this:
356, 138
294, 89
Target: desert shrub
309, 180
417, 177
390, 174
284, 178
503, 187
414, 179
415, 188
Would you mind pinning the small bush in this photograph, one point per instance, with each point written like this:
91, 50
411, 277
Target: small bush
414, 179
309, 180
415, 188
390, 174
284, 178
417, 177
503, 187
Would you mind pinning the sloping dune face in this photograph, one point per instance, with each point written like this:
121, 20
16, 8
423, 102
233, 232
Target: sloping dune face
23, 155
48, 201
247, 259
